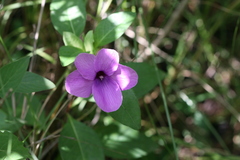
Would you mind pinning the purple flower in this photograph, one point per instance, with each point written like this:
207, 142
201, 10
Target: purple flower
103, 77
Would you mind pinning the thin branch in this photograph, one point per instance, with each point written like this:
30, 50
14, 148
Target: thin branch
36, 36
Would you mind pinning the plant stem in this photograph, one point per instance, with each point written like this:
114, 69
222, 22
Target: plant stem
36, 36
6, 50
162, 91
166, 108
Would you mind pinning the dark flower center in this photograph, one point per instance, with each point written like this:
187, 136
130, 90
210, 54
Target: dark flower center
100, 75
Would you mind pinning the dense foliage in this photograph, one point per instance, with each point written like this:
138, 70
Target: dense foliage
184, 106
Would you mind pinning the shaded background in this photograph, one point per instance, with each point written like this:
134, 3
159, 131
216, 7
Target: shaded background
196, 44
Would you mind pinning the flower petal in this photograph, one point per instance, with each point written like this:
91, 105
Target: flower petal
76, 85
126, 77
107, 61
107, 94
84, 63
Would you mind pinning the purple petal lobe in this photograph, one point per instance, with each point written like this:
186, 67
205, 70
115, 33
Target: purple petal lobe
76, 85
107, 94
126, 77
84, 63
107, 61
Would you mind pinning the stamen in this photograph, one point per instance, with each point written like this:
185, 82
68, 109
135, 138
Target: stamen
100, 75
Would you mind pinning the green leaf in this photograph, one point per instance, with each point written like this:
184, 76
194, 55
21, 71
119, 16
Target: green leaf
9, 122
88, 41
11, 147
68, 15
67, 54
129, 113
11, 75
71, 39
121, 142
147, 78
32, 117
41, 52
12, 122
78, 141
112, 27
32, 82
4, 124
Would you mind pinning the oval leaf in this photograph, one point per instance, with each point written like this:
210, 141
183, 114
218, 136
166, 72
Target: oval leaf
112, 27
121, 142
67, 54
129, 113
32, 82
147, 78
68, 15
11, 75
11, 147
78, 141
88, 41
71, 39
